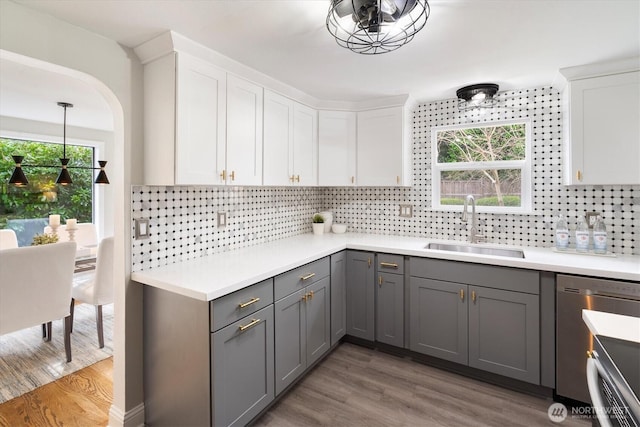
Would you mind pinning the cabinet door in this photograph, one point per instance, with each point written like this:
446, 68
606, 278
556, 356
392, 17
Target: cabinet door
278, 139
244, 132
336, 148
290, 339
504, 333
604, 131
381, 149
305, 145
242, 376
390, 309
360, 295
438, 319
338, 296
318, 319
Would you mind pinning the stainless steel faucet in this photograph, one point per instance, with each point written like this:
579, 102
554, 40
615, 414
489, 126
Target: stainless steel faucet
474, 236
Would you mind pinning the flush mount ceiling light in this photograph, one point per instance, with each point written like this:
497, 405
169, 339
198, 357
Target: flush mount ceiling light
19, 179
477, 96
372, 27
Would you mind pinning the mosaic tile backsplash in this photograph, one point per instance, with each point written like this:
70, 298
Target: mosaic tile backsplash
183, 219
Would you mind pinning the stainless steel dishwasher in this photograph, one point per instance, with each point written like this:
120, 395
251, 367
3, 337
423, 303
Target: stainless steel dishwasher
573, 338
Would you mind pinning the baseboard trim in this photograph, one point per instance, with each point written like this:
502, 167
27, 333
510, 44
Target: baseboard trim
131, 418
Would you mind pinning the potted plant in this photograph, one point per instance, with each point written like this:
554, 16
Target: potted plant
44, 239
318, 224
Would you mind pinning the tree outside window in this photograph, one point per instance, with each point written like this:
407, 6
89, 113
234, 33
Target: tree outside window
488, 161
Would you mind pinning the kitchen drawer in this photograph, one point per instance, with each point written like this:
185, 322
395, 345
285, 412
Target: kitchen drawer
386, 263
300, 277
510, 279
237, 305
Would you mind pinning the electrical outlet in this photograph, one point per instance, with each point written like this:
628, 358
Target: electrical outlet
591, 217
222, 219
141, 228
406, 211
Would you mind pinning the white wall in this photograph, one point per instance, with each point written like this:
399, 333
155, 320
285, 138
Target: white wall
42, 41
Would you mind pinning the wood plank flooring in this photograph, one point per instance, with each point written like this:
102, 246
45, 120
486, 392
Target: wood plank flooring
356, 386
353, 386
79, 399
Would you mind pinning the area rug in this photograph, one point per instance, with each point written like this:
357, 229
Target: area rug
27, 362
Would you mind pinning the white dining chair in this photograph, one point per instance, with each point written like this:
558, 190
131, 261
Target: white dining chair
86, 235
96, 287
36, 288
8, 239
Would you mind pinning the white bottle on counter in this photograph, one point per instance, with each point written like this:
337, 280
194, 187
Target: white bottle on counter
562, 234
599, 236
582, 235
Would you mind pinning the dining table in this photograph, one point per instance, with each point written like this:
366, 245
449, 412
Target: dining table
86, 257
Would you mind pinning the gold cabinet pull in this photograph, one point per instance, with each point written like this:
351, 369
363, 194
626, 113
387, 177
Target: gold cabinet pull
380, 281
389, 264
579, 175
308, 276
251, 324
461, 294
304, 297
297, 178
353, 179
292, 178
233, 175
397, 179
589, 354
223, 175
473, 296
369, 261
310, 294
248, 303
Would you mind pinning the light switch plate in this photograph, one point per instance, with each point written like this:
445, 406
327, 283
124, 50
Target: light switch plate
141, 228
222, 219
406, 211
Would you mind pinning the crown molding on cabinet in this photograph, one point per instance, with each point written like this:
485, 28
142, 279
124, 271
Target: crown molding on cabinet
587, 71
171, 41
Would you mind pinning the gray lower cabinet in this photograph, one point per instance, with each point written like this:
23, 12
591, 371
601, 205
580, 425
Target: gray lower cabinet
361, 295
504, 333
243, 373
390, 309
439, 319
494, 327
302, 331
338, 296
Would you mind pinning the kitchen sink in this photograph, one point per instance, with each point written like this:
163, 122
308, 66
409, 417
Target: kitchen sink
482, 250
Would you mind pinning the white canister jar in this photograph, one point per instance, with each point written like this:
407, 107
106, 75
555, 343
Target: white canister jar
328, 220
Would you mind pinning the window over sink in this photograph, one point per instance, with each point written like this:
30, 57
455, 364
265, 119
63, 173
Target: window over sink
491, 161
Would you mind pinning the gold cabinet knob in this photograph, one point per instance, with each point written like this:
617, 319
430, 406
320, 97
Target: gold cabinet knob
223, 175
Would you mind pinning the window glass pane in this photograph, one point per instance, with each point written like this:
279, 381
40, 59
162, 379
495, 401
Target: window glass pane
482, 144
26, 209
491, 187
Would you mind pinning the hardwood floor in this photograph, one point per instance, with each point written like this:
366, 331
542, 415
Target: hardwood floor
353, 386
79, 399
356, 386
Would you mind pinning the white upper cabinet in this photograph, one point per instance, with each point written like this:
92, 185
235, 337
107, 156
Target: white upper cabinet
602, 131
244, 133
184, 121
381, 148
336, 148
305, 145
290, 142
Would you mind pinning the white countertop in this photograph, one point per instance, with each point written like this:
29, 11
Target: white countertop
612, 325
214, 276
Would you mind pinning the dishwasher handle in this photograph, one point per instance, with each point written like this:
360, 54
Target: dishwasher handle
594, 370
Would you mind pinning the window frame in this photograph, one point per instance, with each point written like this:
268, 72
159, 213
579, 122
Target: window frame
525, 166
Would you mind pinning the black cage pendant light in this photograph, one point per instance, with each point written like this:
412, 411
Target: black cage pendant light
18, 177
373, 27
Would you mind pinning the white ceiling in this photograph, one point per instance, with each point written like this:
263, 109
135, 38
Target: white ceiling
515, 43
